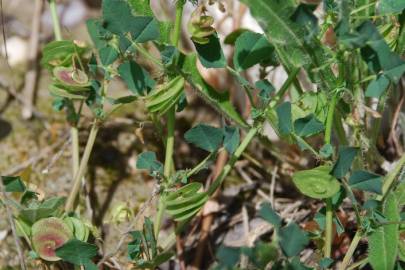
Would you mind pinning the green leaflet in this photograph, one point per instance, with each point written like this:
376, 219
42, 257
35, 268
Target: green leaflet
268, 214
367, 181
136, 77
284, 118
282, 32
147, 161
250, 49
77, 253
308, 126
205, 137
316, 183
377, 86
118, 19
292, 239
231, 138
220, 101
344, 162
143, 7
383, 242
210, 53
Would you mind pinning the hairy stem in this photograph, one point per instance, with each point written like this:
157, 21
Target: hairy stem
70, 203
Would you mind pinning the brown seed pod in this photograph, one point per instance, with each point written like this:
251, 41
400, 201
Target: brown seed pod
47, 235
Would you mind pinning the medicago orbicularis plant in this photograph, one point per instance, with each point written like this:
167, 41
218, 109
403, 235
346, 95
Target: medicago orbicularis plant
351, 56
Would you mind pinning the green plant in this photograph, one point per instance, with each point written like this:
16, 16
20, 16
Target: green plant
350, 57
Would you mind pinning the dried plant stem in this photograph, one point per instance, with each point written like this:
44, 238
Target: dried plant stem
82, 168
352, 249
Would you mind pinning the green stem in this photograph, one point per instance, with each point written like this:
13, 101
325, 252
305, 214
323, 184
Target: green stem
171, 121
351, 250
82, 168
55, 20
329, 119
200, 165
231, 163
329, 205
377, 123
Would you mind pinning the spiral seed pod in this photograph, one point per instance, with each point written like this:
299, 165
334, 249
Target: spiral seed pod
186, 201
74, 79
317, 183
200, 26
47, 235
79, 228
165, 96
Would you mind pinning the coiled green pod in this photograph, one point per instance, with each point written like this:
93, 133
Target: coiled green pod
80, 230
186, 201
166, 96
47, 235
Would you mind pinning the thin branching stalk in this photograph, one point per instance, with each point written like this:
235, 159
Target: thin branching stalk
70, 203
352, 248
